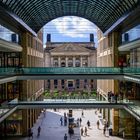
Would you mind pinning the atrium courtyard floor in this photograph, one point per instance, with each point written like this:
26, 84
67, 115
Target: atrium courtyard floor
51, 128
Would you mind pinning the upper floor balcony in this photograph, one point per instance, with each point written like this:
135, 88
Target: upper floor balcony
9, 41
130, 39
7, 46
129, 45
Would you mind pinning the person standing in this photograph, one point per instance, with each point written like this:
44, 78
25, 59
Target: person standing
44, 112
104, 129
85, 131
80, 121
107, 125
82, 113
30, 133
61, 120
65, 137
98, 124
82, 131
39, 129
65, 121
88, 123
116, 98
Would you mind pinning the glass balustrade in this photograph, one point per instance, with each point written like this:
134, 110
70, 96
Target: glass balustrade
5, 110
134, 108
66, 70
68, 101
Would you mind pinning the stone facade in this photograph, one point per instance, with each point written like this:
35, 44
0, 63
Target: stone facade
70, 55
32, 56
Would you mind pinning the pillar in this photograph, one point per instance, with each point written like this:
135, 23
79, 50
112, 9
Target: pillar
59, 62
51, 61
88, 61
74, 61
59, 85
81, 84
66, 61
51, 85
81, 61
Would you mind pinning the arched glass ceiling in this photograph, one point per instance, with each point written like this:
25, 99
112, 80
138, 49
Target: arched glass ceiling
36, 13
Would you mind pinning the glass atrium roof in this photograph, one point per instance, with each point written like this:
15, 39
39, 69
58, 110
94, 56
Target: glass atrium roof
36, 13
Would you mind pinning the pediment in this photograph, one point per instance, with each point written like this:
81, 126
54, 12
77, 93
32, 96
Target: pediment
70, 48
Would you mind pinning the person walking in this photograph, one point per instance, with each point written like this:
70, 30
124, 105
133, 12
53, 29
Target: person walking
82, 131
44, 113
104, 130
116, 98
80, 121
65, 121
88, 123
30, 133
98, 124
39, 129
82, 113
65, 137
107, 125
85, 131
61, 121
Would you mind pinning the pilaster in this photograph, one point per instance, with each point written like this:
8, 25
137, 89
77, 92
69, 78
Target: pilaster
59, 61
51, 86
81, 61
59, 85
81, 84
74, 61
66, 61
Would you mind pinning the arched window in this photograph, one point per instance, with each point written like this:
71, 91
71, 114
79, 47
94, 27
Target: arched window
85, 61
63, 64
70, 62
55, 62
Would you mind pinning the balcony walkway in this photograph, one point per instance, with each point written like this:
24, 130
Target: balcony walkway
132, 107
25, 73
69, 103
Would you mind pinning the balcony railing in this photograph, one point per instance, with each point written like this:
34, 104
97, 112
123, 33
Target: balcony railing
68, 70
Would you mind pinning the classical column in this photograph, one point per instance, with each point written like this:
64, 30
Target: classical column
51, 61
73, 61
66, 61
89, 85
59, 61
88, 61
81, 61
81, 84
51, 86
65, 84
59, 85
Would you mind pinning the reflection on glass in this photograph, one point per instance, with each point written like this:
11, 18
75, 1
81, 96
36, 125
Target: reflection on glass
8, 35
131, 35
